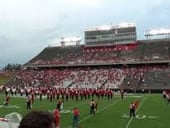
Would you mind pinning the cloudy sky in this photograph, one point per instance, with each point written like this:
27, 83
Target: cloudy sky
28, 26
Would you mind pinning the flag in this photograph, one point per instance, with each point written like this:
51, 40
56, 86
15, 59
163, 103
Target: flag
136, 103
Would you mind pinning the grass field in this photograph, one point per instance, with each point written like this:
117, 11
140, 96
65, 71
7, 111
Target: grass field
153, 112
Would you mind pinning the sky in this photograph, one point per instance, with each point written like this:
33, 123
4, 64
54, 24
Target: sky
28, 26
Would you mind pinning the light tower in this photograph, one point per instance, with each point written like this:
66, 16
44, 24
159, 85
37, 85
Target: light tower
161, 33
67, 41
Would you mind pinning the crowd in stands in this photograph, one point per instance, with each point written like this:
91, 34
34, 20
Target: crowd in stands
141, 77
72, 77
147, 77
78, 55
96, 77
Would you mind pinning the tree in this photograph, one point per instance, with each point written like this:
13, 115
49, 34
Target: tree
12, 67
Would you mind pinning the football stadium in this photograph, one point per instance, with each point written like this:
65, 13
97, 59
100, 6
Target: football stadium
114, 79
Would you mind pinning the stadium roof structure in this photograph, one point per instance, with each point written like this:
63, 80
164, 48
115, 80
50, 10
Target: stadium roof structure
110, 27
154, 32
70, 40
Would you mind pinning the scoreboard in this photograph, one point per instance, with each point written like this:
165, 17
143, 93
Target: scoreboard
111, 34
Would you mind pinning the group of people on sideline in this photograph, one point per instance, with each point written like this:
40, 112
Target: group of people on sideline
37, 119
42, 119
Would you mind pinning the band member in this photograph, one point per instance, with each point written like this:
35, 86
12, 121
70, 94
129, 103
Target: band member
58, 105
122, 93
61, 105
168, 98
132, 109
96, 105
6, 102
164, 94
29, 102
92, 107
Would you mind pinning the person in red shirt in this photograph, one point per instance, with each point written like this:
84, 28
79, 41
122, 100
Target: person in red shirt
76, 115
57, 117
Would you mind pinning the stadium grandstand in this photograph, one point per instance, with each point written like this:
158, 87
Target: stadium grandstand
116, 60
110, 67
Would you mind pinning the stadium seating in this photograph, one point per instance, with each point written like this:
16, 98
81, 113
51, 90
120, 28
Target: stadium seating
92, 67
81, 54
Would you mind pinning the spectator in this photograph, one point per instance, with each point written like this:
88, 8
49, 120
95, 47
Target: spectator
57, 117
76, 115
38, 119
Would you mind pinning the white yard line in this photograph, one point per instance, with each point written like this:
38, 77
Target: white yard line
136, 112
87, 117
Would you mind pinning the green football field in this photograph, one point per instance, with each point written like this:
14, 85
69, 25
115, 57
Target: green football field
152, 112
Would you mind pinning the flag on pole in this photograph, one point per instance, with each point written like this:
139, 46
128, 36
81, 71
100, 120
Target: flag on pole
136, 103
